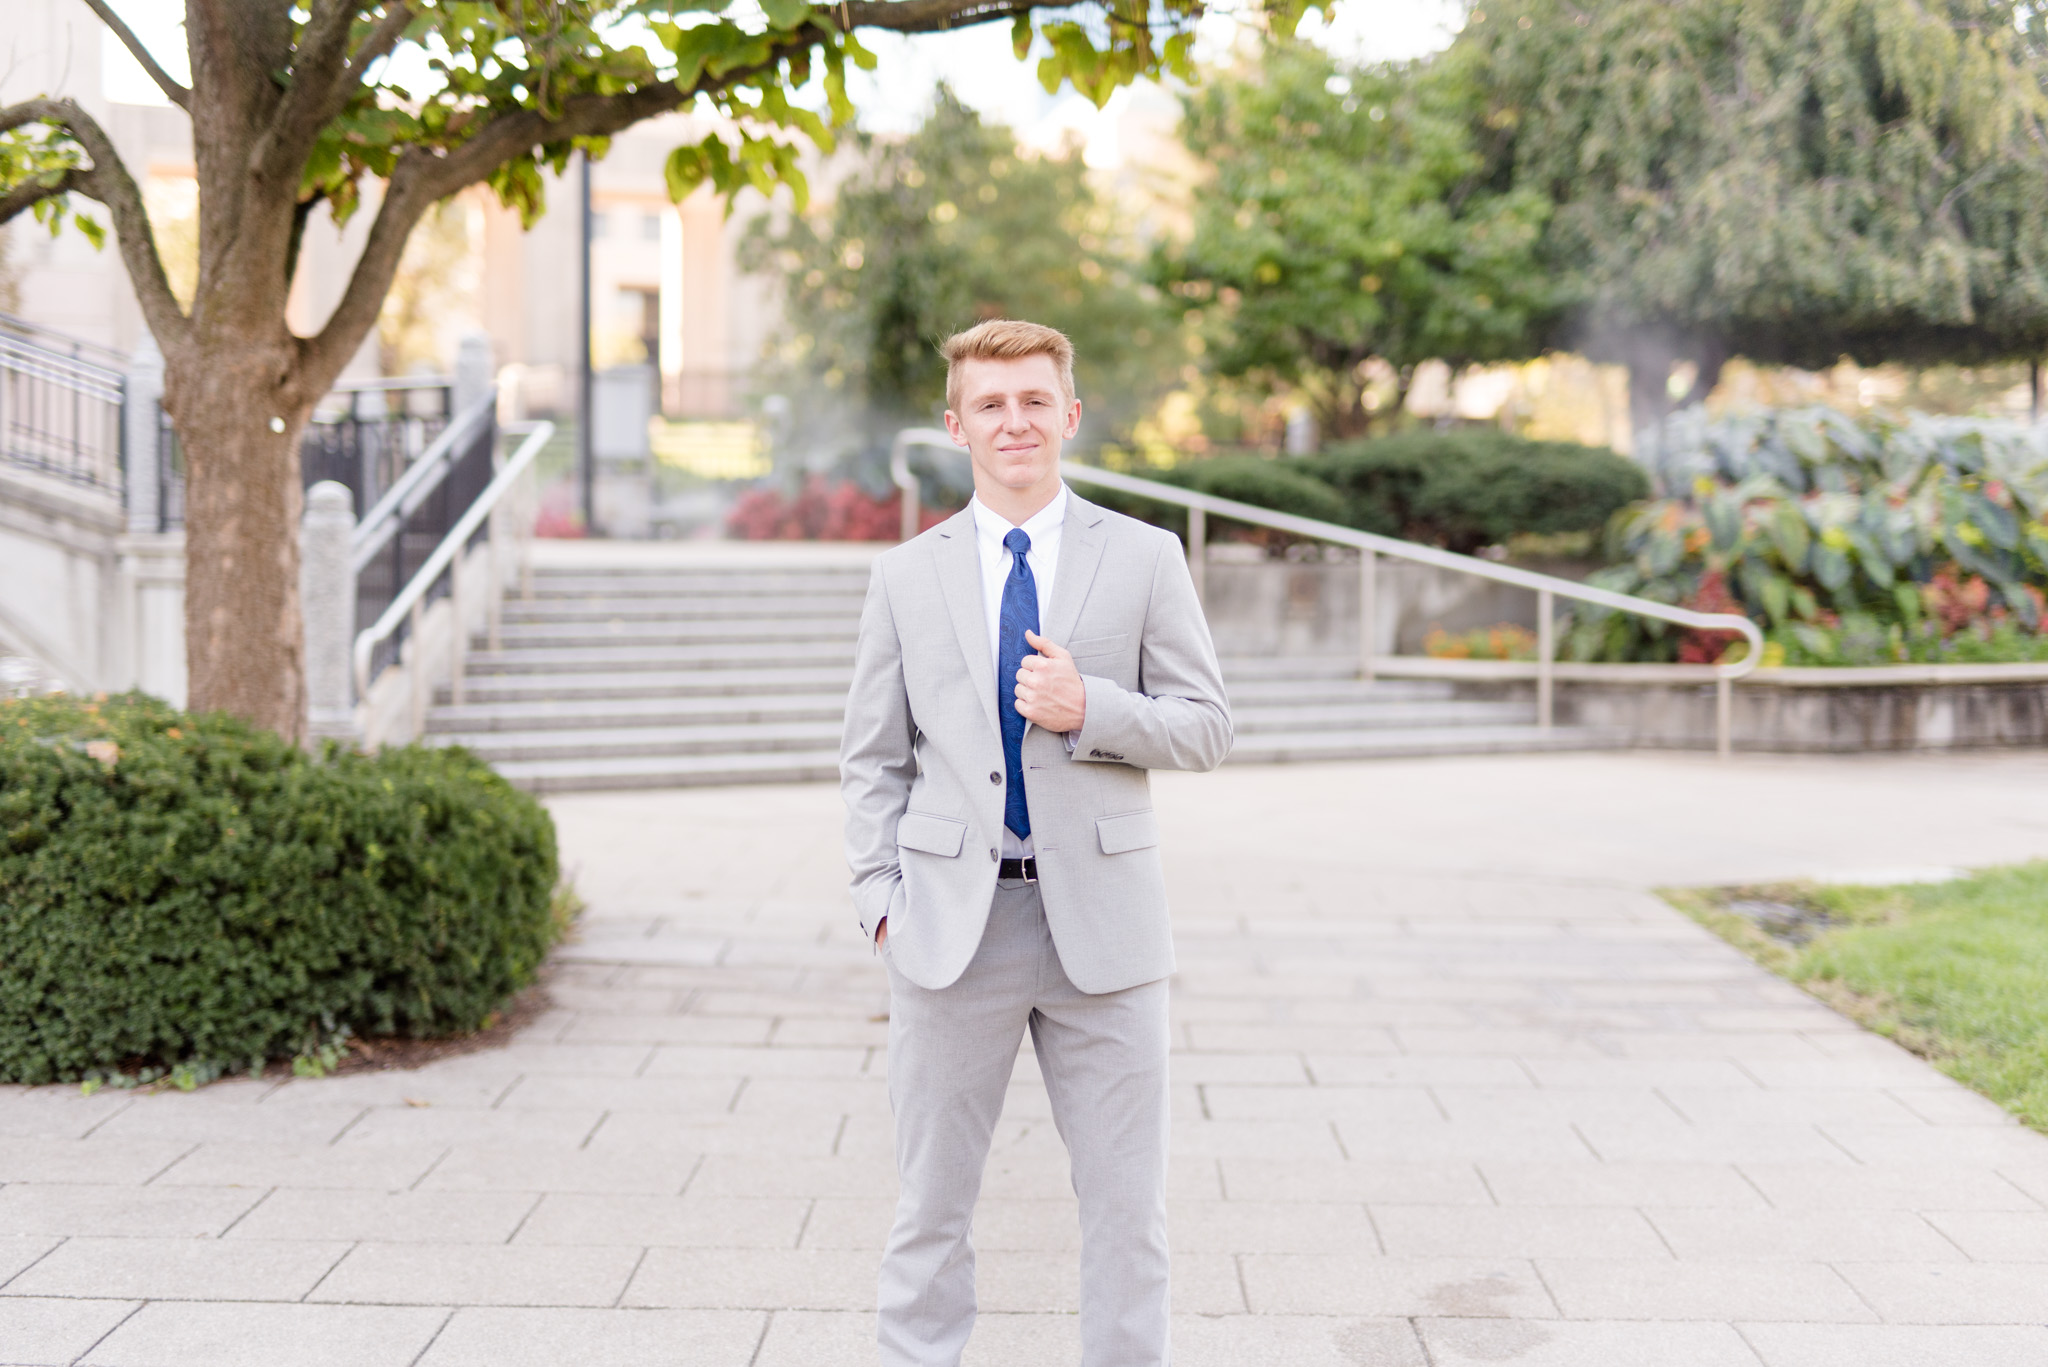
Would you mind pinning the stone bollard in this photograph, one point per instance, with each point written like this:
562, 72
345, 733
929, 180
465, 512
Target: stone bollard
327, 598
141, 397
474, 374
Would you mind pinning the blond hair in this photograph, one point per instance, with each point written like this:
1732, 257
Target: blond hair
1007, 339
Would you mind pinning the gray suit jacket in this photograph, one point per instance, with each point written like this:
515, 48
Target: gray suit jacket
921, 760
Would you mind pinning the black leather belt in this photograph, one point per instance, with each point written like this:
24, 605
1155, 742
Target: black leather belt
1010, 870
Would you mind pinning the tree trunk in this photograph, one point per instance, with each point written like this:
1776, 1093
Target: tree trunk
244, 639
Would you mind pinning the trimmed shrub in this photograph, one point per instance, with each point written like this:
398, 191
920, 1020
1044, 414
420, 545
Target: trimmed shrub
1464, 488
1282, 484
184, 892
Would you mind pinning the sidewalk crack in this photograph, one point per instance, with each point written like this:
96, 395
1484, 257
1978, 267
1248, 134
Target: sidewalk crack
433, 1339
524, 1218
627, 1285
172, 1164
140, 1306
246, 1214
761, 1342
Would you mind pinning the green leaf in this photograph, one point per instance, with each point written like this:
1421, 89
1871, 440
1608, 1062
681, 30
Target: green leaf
1831, 567
786, 14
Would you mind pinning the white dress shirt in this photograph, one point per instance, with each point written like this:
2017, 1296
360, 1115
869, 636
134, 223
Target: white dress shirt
1043, 527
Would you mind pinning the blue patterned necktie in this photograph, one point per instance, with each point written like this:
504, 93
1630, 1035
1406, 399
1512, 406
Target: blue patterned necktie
1020, 614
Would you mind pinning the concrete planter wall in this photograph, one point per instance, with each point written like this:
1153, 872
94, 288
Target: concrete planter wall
1798, 710
1276, 607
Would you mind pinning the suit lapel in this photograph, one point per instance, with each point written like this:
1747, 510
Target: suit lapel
1080, 552
958, 563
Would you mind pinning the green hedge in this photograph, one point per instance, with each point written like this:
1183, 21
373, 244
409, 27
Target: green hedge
187, 892
1462, 488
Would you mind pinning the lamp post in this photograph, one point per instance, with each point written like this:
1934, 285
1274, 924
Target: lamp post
586, 417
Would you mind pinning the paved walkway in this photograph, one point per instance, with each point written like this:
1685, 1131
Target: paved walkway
1454, 1089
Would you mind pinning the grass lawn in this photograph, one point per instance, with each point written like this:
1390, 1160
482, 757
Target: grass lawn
1957, 972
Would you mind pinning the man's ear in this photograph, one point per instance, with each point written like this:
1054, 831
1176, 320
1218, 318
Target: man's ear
1073, 418
956, 431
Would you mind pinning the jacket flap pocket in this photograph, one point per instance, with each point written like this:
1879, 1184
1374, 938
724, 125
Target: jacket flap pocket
933, 834
1130, 831
1098, 645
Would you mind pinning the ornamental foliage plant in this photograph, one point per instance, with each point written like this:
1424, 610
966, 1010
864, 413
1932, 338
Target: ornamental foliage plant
184, 894
1887, 541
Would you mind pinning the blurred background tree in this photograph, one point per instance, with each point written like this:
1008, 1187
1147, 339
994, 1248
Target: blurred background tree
1348, 219
1791, 181
437, 278
936, 232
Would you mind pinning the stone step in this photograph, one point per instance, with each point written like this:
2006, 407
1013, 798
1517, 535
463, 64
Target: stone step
1285, 747
611, 742
617, 713
575, 690
1310, 692
518, 636
630, 659
1425, 714
672, 771
1290, 667
697, 584
708, 607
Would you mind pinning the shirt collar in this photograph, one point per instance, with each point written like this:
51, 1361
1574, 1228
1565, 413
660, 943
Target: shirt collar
994, 526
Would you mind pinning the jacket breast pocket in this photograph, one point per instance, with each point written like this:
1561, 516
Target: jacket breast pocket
1099, 645
940, 835
1128, 831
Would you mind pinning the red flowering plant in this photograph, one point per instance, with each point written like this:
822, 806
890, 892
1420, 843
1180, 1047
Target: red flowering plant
1915, 540
822, 510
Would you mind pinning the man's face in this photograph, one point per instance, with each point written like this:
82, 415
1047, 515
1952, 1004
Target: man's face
1012, 419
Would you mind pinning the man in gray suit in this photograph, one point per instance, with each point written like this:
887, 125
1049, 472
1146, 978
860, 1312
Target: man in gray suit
1020, 667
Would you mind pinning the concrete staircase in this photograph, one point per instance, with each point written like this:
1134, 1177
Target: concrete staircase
640, 665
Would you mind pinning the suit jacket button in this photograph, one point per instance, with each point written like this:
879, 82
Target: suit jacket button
991, 852
994, 777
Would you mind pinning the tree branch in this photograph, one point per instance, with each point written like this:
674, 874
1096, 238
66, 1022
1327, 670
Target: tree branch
323, 78
177, 94
28, 194
108, 181
925, 16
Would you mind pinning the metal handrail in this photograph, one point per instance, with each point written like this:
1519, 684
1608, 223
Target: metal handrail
410, 489
412, 598
1371, 546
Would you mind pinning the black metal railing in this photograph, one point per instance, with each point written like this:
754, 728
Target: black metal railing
60, 405
431, 496
364, 435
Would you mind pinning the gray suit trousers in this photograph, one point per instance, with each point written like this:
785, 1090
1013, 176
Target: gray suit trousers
951, 1053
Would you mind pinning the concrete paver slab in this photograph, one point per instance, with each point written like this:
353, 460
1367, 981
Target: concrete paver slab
1896, 1345
1528, 1343
479, 1274
227, 1334
54, 1332
511, 1337
180, 1269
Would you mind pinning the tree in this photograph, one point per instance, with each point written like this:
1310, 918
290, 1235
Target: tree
1348, 219
936, 232
1787, 180
294, 107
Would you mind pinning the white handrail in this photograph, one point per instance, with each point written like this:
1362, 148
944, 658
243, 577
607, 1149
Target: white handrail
405, 492
415, 591
1371, 545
